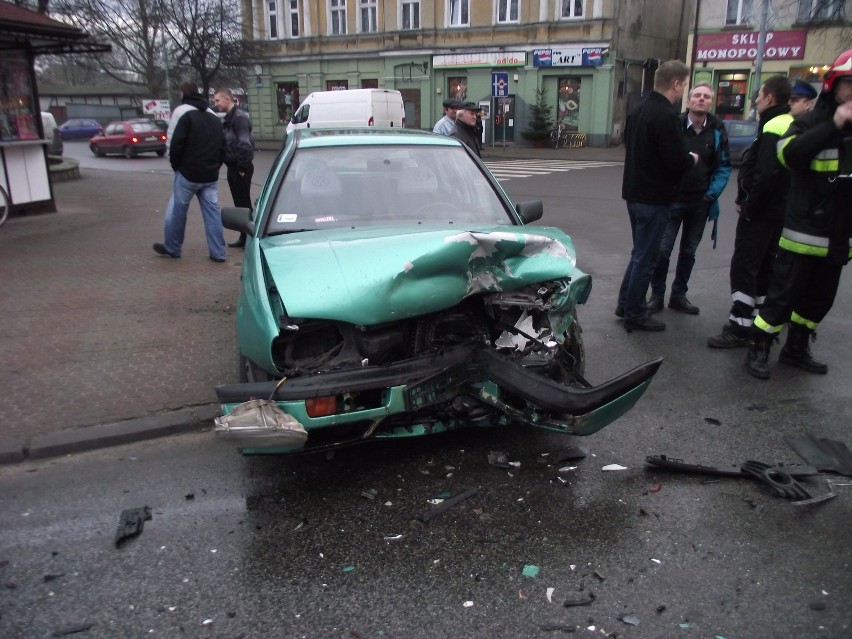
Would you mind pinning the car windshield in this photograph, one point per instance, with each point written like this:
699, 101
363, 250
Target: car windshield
348, 186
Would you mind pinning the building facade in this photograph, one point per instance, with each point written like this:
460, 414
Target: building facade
593, 58
803, 37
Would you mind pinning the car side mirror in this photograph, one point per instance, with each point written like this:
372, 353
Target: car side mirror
530, 211
238, 219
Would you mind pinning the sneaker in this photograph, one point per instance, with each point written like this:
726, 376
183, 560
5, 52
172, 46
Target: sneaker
646, 323
654, 304
727, 339
683, 305
161, 250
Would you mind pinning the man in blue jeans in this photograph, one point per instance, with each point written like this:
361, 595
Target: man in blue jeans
196, 153
655, 160
697, 200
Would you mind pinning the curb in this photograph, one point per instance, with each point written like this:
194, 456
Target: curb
93, 437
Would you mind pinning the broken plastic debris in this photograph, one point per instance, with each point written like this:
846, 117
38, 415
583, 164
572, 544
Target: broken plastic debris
630, 620
817, 605
568, 454
468, 604
614, 467
370, 493
131, 522
530, 570
566, 469
550, 592
712, 420
496, 458
515, 464
434, 502
348, 568
600, 574
446, 504
393, 537
206, 622
656, 561
655, 488
70, 630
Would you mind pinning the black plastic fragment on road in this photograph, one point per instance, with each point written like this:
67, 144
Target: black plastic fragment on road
827, 455
53, 576
778, 479
564, 627
713, 421
446, 504
817, 605
70, 630
131, 523
679, 465
570, 603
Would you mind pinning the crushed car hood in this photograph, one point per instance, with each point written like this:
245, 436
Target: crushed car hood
372, 276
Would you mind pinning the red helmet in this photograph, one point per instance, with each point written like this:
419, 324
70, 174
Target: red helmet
842, 68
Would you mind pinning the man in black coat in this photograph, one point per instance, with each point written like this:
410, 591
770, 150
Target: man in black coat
239, 151
196, 152
465, 127
656, 159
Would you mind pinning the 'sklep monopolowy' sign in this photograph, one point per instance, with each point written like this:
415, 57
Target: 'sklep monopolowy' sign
780, 45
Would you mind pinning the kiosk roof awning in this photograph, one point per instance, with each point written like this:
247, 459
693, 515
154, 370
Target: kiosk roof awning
22, 28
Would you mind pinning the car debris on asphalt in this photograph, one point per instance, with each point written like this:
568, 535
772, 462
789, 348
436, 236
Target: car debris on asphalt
131, 523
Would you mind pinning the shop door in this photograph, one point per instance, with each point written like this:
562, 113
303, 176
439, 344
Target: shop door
503, 119
411, 102
731, 95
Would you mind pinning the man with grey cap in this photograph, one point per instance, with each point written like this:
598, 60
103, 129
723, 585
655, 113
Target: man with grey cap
444, 126
465, 127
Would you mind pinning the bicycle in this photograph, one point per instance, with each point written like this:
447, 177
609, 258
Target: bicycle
4, 206
559, 136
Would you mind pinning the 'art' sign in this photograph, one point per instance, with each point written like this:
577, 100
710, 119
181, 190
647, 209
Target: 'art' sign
780, 45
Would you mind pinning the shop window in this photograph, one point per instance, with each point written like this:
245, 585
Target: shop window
457, 88
572, 8
368, 16
458, 13
336, 85
337, 17
822, 10
409, 15
17, 120
568, 106
507, 11
731, 95
288, 100
372, 83
739, 12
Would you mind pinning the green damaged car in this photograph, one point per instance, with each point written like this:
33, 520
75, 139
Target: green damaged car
391, 289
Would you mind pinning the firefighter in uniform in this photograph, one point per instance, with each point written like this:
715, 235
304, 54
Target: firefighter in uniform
763, 185
815, 241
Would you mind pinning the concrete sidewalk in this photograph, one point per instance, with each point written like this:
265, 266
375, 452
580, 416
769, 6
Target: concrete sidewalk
105, 342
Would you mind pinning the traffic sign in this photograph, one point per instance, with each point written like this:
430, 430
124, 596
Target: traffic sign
499, 85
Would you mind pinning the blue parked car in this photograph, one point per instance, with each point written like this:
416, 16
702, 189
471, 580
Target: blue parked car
741, 133
80, 128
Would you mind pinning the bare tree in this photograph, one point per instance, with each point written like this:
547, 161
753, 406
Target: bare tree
134, 28
206, 34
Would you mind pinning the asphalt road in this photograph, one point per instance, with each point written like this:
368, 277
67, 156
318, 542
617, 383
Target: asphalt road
289, 547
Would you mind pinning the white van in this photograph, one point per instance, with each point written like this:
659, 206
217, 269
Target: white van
352, 107
51, 134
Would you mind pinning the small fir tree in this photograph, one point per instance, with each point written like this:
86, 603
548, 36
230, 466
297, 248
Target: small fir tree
541, 122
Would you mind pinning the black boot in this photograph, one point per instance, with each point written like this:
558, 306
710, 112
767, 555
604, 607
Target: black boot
757, 358
797, 351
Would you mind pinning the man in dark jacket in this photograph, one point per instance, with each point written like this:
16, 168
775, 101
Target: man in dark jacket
761, 201
196, 152
656, 159
239, 152
465, 127
697, 200
816, 241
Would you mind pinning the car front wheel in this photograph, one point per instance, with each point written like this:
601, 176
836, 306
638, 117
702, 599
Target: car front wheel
97, 150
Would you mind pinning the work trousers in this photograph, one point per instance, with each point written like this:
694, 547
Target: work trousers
755, 247
803, 285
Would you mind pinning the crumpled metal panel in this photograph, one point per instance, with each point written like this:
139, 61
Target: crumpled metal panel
380, 275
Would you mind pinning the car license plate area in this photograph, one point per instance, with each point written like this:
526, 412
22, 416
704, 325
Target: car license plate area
151, 138
440, 387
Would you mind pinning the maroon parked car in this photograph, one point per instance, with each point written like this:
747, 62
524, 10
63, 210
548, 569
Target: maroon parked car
129, 138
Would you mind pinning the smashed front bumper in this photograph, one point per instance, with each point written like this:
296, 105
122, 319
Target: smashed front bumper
413, 387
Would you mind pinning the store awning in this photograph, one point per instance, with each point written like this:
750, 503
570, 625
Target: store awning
22, 28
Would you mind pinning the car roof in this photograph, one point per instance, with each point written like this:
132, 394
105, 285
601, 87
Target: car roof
372, 136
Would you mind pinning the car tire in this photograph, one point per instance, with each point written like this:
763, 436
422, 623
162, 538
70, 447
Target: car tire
97, 150
161, 153
129, 153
